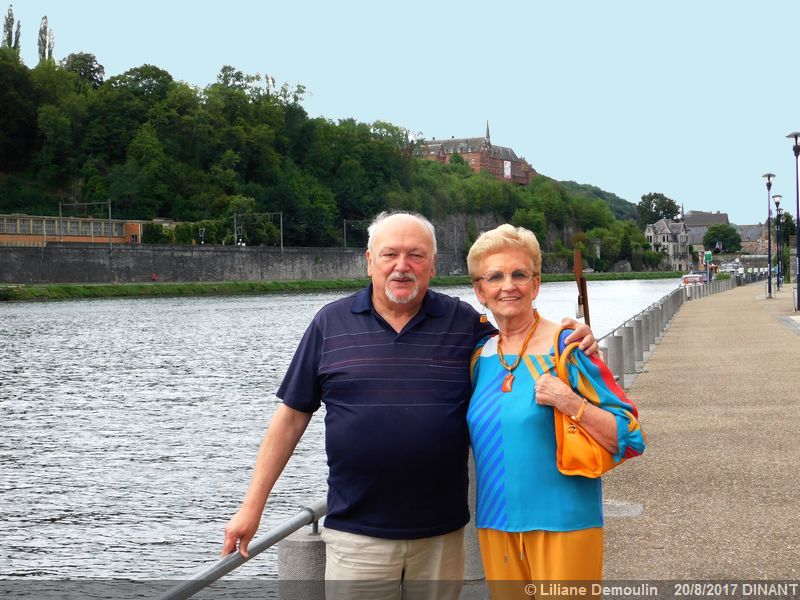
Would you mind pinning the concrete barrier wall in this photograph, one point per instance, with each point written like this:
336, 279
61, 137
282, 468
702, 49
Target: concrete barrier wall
56, 263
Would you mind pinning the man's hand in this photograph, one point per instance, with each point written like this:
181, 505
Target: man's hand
241, 528
285, 430
582, 333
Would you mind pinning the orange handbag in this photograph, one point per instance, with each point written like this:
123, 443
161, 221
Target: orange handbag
577, 453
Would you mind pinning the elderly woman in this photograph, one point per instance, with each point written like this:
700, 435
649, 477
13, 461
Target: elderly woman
533, 522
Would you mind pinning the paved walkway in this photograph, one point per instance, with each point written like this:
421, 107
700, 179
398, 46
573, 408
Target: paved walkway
719, 484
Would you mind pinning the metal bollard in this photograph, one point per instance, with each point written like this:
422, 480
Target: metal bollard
654, 325
614, 358
647, 331
657, 319
628, 355
301, 565
638, 350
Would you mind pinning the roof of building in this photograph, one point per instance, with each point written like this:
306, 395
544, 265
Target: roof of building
667, 226
469, 145
750, 232
698, 218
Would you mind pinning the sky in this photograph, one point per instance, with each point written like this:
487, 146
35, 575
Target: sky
692, 99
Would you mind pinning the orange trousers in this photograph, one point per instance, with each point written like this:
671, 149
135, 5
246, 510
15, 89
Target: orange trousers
565, 557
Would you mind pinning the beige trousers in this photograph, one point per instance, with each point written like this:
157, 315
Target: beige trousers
359, 566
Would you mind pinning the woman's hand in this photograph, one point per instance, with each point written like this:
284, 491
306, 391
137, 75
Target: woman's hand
551, 391
582, 334
598, 423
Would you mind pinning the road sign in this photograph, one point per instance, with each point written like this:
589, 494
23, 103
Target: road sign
708, 257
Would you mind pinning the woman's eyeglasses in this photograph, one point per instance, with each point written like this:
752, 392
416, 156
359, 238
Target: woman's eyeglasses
497, 278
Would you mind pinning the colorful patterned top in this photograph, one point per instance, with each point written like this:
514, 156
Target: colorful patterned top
519, 487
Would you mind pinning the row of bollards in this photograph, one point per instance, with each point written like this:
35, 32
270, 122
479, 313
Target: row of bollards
632, 342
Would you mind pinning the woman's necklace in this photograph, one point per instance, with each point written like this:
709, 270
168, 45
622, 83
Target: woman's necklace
509, 379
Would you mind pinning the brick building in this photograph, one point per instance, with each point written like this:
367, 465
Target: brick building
481, 155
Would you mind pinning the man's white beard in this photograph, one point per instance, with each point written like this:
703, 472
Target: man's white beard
407, 299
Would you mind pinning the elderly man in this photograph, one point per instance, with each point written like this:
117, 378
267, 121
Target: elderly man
391, 365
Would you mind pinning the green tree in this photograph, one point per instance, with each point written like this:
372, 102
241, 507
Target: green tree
46, 40
8, 28
725, 235
788, 227
625, 248
86, 67
19, 112
531, 220
656, 206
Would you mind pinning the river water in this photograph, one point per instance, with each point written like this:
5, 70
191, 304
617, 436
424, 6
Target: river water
129, 427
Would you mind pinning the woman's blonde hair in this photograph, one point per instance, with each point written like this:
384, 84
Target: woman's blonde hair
499, 239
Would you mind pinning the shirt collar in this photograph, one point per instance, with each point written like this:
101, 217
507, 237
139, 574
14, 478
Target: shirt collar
432, 304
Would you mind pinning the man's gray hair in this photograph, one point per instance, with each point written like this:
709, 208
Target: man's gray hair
386, 214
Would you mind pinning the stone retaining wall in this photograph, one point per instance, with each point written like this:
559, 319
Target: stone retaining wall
64, 263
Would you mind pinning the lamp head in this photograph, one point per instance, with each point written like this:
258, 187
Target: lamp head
777, 199
769, 177
796, 148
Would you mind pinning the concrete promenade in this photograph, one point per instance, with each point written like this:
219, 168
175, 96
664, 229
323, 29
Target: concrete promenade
719, 484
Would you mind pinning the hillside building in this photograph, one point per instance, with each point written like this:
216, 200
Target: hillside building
481, 155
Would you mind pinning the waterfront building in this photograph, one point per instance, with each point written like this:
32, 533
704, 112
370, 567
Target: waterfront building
671, 238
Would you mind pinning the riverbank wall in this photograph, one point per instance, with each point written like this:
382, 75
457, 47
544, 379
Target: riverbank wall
71, 263
56, 263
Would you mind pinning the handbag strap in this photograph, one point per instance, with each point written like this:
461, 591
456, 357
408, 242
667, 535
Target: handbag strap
562, 354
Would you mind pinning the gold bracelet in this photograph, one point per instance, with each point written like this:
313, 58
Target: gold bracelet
577, 417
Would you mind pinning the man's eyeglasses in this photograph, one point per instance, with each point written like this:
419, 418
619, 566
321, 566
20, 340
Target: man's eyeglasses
497, 278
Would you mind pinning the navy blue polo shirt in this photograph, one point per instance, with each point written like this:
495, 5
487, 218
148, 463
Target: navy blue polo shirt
396, 403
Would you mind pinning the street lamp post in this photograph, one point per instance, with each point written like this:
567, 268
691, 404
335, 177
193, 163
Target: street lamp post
769, 177
777, 199
796, 149
779, 216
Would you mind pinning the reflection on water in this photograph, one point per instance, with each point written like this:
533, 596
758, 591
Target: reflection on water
129, 427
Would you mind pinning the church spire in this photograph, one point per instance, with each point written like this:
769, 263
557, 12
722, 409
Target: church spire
488, 138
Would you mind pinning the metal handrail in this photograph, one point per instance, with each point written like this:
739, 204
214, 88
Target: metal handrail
308, 515
641, 312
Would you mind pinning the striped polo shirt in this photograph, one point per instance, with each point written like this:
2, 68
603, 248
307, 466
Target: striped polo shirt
395, 426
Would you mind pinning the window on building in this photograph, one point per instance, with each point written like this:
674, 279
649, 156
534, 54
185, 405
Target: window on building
73, 227
86, 228
50, 227
118, 232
